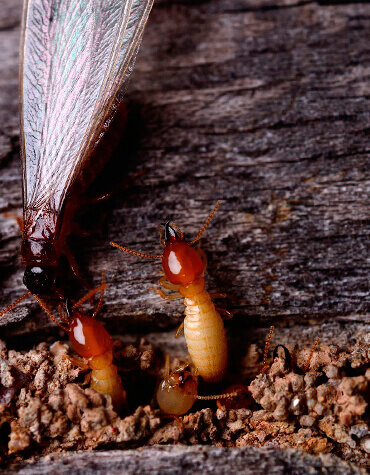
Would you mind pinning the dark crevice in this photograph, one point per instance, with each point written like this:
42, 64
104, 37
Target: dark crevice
10, 27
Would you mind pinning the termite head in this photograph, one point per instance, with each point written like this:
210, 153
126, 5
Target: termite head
177, 392
39, 280
88, 337
181, 263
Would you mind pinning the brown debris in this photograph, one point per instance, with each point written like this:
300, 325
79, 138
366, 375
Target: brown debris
319, 411
325, 403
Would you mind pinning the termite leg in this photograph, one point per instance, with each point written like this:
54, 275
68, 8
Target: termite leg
103, 286
179, 330
91, 293
17, 218
76, 362
14, 304
75, 269
176, 418
265, 353
160, 292
167, 285
62, 315
219, 295
47, 310
79, 230
309, 359
226, 314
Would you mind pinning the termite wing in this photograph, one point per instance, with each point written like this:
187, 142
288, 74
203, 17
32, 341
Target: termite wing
76, 59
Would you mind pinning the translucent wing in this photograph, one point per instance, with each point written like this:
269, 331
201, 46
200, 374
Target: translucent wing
77, 55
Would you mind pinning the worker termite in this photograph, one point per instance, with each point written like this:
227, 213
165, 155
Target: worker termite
92, 342
178, 391
203, 326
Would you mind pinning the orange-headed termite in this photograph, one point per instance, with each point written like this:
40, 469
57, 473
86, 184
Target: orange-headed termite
178, 391
91, 341
203, 326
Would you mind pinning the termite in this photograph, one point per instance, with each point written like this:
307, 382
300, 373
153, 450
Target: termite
285, 355
92, 342
203, 326
76, 59
178, 391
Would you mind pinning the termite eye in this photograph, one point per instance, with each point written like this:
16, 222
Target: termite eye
38, 280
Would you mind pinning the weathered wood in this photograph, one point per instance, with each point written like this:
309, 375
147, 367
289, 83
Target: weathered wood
263, 104
189, 460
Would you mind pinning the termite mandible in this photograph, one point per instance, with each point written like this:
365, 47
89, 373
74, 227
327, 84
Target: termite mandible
203, 326
76, 59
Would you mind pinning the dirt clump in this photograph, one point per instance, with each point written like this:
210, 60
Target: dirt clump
46, 404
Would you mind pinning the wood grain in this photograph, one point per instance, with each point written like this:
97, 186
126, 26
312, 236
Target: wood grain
264, 105
189, 460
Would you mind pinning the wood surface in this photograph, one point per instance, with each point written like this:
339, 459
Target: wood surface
179, 460
262, 104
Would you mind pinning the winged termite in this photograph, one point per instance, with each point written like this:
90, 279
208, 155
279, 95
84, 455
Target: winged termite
76, 59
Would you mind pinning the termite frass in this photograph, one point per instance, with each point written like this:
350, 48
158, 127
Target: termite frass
203, 326
76, 60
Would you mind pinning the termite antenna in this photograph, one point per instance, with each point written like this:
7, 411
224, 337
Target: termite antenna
91, 293
160, 232
218, 396
308, 363
14, 304
205, 225
167, 367
265, 353
48, 312
103, 287
136, 253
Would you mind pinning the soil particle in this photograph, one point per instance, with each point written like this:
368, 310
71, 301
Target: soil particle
51, 408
